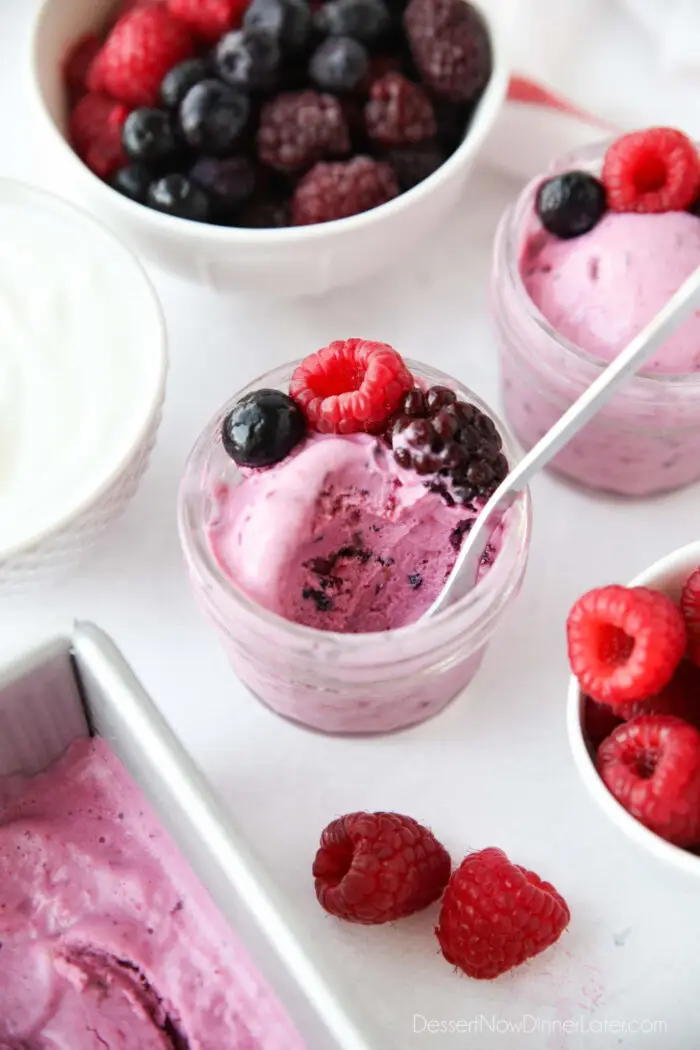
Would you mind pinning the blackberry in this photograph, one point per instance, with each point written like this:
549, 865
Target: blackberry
299, 128
229, 183
178, 81
412, 164
133, 181
262, 428
265, 215
570, 204
365, 20
336, 191
453, 120
248, 59
148, 136
451, 47
177, 195
398, 113
439, 436
287, 21
339, 64
212, 116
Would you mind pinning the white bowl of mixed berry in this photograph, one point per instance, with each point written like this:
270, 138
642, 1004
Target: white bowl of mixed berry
282, 145
634, 704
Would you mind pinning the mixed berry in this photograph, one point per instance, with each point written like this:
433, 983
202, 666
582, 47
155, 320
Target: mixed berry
356, 385
374, 868
269, 113
656, 170
635, 654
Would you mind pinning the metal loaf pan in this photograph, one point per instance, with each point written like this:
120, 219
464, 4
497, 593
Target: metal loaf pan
79, 685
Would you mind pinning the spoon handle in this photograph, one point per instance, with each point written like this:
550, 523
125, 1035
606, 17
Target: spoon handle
463, 576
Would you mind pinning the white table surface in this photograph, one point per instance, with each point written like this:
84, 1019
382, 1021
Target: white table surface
495, 768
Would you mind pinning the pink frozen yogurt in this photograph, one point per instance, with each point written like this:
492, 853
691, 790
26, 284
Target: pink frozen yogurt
564, 308
339, 537
601, 289
107, 941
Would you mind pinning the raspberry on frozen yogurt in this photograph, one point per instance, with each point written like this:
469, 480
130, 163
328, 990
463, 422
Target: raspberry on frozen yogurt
370, 485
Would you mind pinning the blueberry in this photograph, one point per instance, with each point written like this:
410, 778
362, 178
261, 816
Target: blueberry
229, 183
148, 136
178, 81
288, 21
339, 64
133, 181
262, 428
177, 195
212, 116
570, 204
248, 59
364, 20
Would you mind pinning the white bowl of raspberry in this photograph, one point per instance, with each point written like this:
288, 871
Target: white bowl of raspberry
290, 151
633, 709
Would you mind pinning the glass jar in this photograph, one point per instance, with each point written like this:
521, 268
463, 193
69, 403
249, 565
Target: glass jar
344, 683
646, 439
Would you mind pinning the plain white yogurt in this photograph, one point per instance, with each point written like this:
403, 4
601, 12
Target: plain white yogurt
81, 361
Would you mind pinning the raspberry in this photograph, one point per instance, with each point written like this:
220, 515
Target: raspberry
336, 191
651, 171
95, 131
652, 767
624, 643
398, 113
350, 385
299, 128
377, 867
208, 19
690, 607
78, 61
137, 54
450, 46
495, 915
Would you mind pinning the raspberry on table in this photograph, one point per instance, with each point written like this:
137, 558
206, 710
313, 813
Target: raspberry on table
398, 112
377, 867
208, 19
450, 45
339, 64
413, 164
248, 59
78, 61
297, 129
624, 643
365, 20
137, 54
655, 170
652, 767
495, 915
435, 434
95, 130
690, 607
337, 191
350, 385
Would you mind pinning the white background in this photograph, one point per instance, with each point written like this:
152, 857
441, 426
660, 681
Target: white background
495, 768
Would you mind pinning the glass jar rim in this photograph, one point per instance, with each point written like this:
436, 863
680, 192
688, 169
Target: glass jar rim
201, 561
507, 252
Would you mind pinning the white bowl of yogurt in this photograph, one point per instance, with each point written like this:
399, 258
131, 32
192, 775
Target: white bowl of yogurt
83, 362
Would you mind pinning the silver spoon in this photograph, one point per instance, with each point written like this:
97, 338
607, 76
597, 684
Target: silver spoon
463, 577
